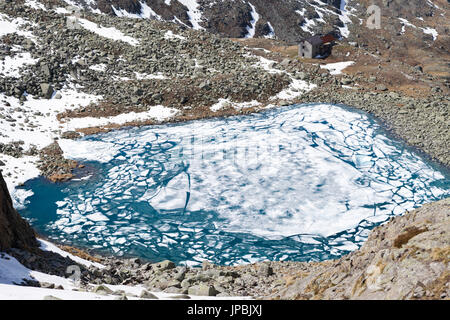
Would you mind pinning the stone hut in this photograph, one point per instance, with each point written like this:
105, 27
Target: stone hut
316, 46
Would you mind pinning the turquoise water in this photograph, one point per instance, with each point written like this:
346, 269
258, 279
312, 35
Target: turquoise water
305, 182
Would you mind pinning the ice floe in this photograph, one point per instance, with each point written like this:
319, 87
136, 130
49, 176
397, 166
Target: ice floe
107, 32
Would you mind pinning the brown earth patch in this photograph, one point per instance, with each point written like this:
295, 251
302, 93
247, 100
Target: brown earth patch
409, 233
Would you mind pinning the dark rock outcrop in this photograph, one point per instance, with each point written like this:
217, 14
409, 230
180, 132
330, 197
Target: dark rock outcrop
15, 232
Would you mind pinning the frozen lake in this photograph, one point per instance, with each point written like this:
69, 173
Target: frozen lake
304, 182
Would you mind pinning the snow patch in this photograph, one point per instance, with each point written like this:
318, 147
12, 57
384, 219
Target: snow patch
146, 12
98, 67
223, 103
427, 30
13, 273
295, 89
271, 34
35, 5
431, 31
344, 17
88, 150
337, 67
48, 246
170, 35
308, 24
144, 76
11, 64
110, 33
267, 65
14, 25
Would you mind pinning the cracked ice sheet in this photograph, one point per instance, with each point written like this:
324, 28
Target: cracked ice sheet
270, 181
13, 273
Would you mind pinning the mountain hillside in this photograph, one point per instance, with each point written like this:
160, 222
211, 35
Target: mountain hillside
414, 31
288, 20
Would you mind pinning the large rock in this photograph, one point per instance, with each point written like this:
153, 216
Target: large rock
14, 231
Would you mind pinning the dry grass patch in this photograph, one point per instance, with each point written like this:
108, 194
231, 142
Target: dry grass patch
80, 253
409, 233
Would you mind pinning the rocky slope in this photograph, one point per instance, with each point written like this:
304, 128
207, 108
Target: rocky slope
405, 26
14, 231
288, 20
413, 32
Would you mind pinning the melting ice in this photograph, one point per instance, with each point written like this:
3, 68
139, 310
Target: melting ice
306, 182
